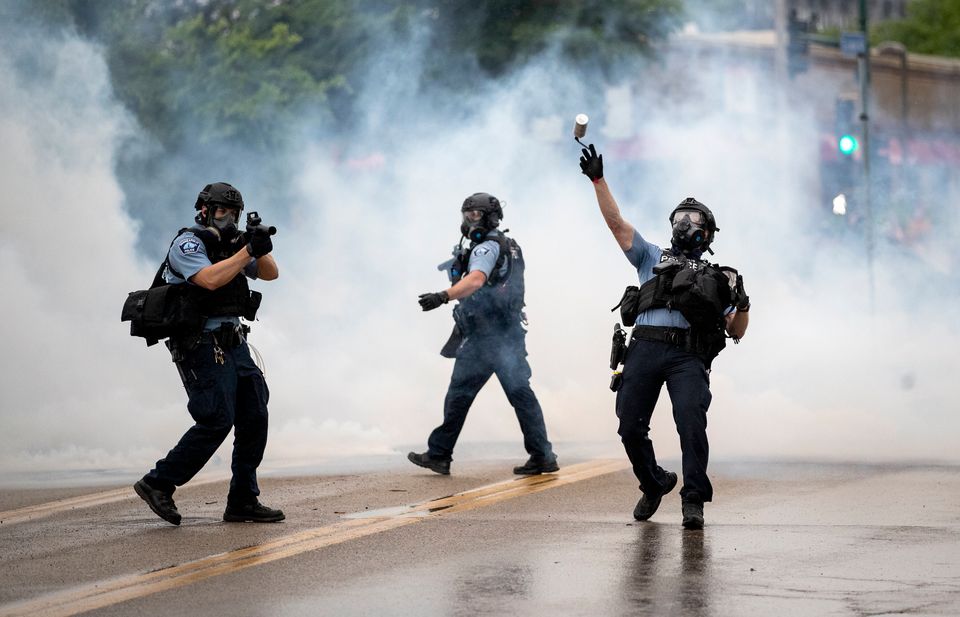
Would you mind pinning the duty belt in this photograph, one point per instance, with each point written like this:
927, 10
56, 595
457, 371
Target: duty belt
674, 336
227, 335
693, 342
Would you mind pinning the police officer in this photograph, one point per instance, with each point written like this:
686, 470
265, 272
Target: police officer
677, 286
226, 390
488, 337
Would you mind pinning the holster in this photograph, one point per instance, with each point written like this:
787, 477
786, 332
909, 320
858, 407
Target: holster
619, 347
453, 343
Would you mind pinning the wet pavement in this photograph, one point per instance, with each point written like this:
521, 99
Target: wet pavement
780, 539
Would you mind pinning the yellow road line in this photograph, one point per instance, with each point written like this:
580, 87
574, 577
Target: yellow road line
30, 513
112, 591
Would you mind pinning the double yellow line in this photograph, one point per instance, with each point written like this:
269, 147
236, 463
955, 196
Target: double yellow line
112, 591
29, 513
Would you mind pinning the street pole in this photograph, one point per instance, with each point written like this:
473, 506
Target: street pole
780, 36
864, 61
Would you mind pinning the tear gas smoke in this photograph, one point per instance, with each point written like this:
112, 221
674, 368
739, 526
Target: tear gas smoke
353, 363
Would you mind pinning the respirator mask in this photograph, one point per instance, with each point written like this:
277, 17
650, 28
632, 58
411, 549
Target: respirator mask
475, 226
226, 225
481, 215
689, 230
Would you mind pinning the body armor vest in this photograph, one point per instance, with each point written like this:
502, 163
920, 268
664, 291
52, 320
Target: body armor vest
696, 288
497, 305
231, 300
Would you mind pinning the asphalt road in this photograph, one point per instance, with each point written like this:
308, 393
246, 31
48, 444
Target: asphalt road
780, 540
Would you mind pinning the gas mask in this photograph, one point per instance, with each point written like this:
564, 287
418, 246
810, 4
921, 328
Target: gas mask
481, 215
689, 230
226, 226
475, 225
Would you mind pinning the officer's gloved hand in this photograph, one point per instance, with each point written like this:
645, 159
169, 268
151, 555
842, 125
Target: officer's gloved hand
259, 244
591, 164
428, 302
740, 298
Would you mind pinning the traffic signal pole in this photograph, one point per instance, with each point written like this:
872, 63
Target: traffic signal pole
864, 72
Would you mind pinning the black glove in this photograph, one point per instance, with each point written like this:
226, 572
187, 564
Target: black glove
259, 244
740, 298
591, 164
428, 302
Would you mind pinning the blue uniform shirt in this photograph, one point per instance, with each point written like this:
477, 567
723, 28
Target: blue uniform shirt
187, 256
644, 256
484, 256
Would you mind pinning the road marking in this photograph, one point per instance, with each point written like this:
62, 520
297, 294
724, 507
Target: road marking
31, 513
113, 591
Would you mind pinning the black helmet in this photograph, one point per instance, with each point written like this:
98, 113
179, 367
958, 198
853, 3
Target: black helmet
699, 233
485, 202
218, 193
476, 230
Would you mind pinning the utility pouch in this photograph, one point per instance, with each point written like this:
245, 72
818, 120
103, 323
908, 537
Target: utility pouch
253, 305
701, 295
161, 312
453, 343
629, 305
616, 381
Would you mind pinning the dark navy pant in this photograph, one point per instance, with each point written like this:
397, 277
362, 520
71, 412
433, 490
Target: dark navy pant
479, 358
232, 395
648, 365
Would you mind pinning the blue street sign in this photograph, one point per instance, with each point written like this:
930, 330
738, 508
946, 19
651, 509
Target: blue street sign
852, 44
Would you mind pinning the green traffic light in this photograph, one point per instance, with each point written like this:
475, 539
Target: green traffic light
848, 145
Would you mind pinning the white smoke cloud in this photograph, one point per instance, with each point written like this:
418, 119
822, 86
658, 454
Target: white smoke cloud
351, 360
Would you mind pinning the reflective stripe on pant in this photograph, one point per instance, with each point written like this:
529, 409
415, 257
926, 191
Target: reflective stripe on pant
221, 396
648, 365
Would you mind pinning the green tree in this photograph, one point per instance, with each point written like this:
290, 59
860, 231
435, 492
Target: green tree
931, 27
224, 87
223, 69
204, 71
504, 34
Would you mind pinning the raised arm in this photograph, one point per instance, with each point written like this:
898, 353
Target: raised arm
591, 164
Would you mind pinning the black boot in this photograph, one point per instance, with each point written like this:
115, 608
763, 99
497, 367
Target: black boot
161, 502
254, 512
692, 515
648, 505
433, 464
536, 465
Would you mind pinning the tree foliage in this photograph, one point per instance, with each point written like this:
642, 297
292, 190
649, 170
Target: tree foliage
503, 34
204, 71
931, 27
222, 88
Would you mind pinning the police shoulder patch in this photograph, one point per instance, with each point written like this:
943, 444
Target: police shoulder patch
480, 251
189, 245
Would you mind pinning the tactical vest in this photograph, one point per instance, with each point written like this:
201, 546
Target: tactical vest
696, 288
235, 299
498, 305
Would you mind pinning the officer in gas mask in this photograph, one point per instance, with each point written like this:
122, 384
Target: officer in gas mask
486, 276
225, 388
681, 314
